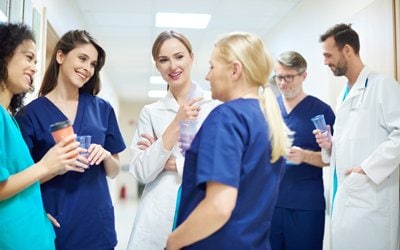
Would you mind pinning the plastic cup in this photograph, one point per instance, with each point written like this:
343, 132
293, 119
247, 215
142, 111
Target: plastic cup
319, 123
188, 130
84, 141
59, 130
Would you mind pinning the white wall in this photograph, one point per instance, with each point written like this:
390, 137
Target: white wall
65, 16
300, 31
128, 119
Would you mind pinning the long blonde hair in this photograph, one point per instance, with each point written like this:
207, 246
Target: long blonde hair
257, 66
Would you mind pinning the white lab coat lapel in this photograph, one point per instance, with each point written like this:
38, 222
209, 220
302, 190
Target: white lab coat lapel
355, 91
344, 107
168, 103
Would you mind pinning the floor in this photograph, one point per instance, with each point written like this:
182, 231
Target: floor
125, 211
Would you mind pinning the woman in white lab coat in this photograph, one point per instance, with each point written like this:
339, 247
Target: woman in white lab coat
366, 150
157, 160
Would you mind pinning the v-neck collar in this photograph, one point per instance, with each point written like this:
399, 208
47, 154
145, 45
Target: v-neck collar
77, 124
10, 115
283, 107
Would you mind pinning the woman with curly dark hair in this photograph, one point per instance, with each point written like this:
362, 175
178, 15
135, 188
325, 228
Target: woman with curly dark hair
24, 224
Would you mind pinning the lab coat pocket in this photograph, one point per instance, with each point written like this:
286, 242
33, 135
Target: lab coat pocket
360, 191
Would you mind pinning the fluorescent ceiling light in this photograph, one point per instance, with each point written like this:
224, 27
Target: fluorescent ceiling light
157, 80
157, 93
179, 20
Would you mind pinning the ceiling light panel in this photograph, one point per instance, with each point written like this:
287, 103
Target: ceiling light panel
182, 20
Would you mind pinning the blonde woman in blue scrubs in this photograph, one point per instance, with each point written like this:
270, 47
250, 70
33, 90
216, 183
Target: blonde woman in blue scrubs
234, 166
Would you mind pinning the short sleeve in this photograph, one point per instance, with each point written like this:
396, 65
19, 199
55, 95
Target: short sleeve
4, 173
221, 146
114, 141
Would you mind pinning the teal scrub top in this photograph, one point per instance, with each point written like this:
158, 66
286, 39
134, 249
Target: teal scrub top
23, 221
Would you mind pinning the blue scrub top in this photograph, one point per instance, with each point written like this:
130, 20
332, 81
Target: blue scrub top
302, 185
23, 221
232, 147
80, 202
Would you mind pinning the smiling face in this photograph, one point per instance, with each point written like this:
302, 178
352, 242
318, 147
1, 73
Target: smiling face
21, 68
334, 58
78, 66
174, 62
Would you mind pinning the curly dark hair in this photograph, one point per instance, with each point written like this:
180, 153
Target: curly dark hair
68, 42
11, 36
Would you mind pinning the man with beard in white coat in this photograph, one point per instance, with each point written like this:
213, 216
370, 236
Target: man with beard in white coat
365, 151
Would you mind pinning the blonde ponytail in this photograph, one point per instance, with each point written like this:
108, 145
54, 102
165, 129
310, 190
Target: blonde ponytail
257, 66
279, 133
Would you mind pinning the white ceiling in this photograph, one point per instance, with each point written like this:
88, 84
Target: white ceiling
125, 28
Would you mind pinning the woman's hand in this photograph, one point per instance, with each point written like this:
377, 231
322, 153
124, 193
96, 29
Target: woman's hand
63, 157
53, 220
170, 165
97, 154
189, 110
147, 142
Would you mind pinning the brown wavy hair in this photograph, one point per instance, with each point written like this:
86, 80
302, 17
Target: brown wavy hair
68, 42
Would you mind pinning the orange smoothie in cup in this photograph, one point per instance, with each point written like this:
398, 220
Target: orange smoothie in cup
59, 130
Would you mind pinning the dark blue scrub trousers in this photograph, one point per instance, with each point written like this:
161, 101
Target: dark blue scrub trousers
293, 229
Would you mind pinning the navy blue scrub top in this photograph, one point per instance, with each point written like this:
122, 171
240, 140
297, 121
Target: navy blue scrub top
232, 147
302, 185
80, 202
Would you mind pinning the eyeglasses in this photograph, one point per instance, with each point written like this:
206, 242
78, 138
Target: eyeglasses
288, 78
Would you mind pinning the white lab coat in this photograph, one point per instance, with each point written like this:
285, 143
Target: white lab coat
154, 217
367, 133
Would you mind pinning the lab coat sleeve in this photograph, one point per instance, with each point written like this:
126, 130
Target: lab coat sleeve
326, 155
147, 164
179, 165
386, 158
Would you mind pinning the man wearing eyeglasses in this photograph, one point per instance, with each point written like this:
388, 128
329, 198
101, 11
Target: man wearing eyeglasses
365, 154
299, 216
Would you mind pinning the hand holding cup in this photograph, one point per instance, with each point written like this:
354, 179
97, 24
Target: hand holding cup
322, 132
188, 130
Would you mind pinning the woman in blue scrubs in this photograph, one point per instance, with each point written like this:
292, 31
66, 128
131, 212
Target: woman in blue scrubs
23, 221
80, 202
234, 165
